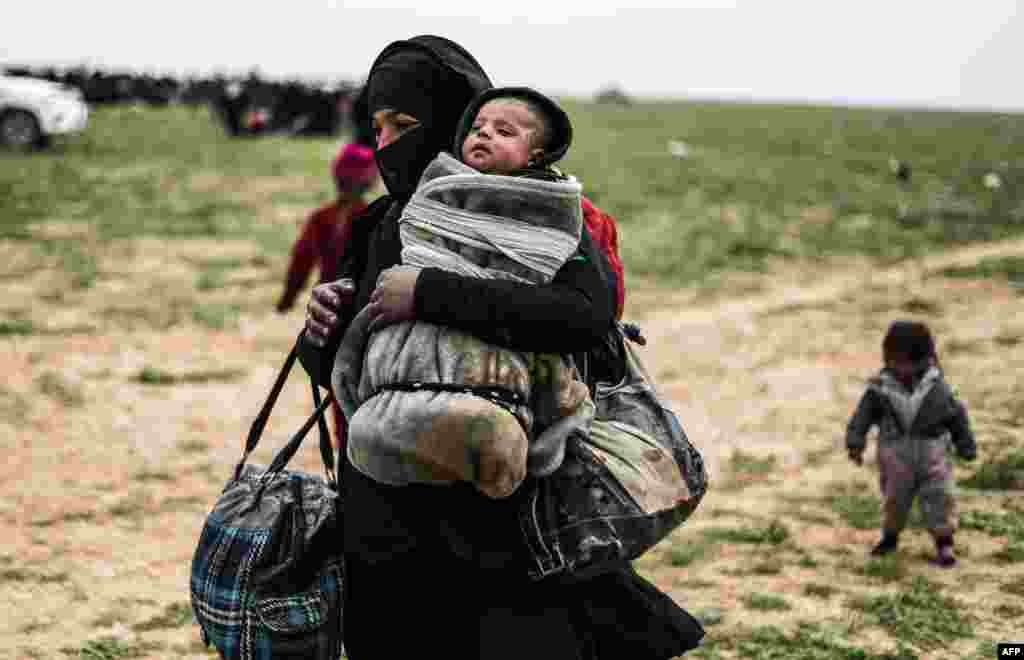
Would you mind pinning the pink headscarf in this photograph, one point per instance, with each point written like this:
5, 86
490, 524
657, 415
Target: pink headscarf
354, 168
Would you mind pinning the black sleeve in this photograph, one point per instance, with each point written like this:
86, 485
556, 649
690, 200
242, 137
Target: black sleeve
962, 435
867, 414
571, 313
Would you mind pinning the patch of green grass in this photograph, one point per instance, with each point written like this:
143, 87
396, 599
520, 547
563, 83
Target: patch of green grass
753, 171
174, 615
819, 590
210, 280
1006, 523
216, 315
810, 641
188, 179
684, 554
741, 461
761, 181
759, 601
155, 376
858, 509
150, 375
774, 534
986, 650
919, 614
807, 561
709, 616
886, 569
1001, 473
16, 327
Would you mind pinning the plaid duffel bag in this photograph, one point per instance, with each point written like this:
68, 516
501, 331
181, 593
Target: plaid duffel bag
266, 579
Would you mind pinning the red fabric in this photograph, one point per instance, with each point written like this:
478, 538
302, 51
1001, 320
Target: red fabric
321, 243
603, 230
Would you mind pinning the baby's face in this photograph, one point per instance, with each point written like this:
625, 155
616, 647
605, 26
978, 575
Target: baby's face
499, 141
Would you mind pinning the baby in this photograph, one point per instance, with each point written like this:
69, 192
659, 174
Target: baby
515, 132
432, 404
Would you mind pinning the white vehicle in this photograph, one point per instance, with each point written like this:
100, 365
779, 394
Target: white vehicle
32, 110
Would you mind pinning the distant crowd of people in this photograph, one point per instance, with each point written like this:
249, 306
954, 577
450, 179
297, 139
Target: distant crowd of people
246, 106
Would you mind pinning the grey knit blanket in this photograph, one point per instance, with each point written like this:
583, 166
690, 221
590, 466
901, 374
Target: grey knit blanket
482, 226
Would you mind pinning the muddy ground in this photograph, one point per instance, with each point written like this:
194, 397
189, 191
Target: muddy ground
122, 412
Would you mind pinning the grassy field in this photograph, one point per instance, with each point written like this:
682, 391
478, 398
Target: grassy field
140, 263
756, 181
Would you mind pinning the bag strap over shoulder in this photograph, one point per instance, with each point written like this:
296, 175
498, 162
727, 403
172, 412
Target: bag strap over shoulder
288, 451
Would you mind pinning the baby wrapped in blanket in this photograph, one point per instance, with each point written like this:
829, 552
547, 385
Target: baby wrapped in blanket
432, 404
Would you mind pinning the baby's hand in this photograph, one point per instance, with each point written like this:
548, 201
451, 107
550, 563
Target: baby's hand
394, 298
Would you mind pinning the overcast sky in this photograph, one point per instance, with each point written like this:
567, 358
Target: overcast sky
895, 52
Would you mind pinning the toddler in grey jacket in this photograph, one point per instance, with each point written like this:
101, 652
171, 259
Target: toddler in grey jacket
918, 418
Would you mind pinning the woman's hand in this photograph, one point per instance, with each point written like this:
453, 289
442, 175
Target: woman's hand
325, 303
394, 297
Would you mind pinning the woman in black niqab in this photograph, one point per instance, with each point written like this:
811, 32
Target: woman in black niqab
431, 79
441, 569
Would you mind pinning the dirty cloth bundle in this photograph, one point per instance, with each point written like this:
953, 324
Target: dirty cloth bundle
400, 387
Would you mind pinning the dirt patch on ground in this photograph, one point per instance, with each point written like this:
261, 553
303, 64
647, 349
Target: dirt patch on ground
109, 472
